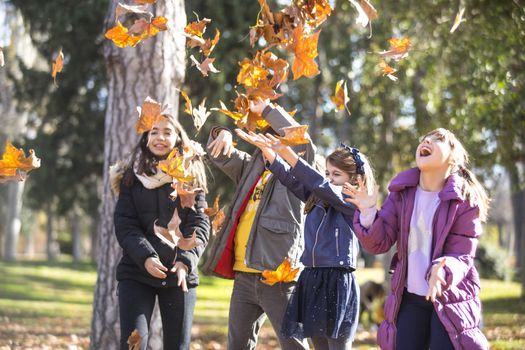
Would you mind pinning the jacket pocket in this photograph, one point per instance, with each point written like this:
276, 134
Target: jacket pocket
278, 226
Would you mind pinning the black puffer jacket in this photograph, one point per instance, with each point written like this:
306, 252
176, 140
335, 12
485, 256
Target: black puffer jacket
136, 210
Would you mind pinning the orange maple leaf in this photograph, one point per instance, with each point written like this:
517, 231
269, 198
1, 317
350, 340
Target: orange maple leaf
119, 35
294, 135
149, 115
15, 159
217, 222
215, 209
387, 70
173, 165
251, 73
57, 65
340, 98
205, 66
398, 48
197, 28
305, 50
315, 12
134, 340
187, 106
209, 45
284, 273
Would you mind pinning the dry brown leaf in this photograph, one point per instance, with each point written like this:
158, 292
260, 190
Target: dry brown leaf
294, 135
206, 65
218, 221
57, 65
398, 48
173, 165
144, 2
209, 45
284, 273
305, 50
119, 35
387, 70
134, 340
122, 9
200, 114
149, 115
215, 209
187, 105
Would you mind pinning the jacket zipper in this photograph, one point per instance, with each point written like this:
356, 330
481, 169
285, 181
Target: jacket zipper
337, 240
316, 236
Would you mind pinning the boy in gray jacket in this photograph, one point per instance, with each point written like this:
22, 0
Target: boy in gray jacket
263, 227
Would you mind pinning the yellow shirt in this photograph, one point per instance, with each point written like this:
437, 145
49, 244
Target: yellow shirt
245, 224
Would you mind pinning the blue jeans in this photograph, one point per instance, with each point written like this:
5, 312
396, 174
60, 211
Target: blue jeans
250, 303
136, 302
418, 325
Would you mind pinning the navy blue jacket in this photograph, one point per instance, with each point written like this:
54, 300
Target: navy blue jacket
328, 232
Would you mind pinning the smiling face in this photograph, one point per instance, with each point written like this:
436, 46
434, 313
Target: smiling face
434, 151
162, 138
335, 175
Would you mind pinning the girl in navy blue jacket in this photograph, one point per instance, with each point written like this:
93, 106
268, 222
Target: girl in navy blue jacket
324, 306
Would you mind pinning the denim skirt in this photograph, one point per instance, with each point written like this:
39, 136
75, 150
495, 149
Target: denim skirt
324, 303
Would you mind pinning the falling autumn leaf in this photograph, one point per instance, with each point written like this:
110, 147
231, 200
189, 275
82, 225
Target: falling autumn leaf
187, 105
122, 9
173, 165
119, 35
305, 50
200, 115
204, 67
144, 2
197, 28
367, 13
218, 221
340, 98
215, 209
186, 194
15, 159
134, 340
149, 115
398, 48
284, 273
457, 20
387, 70
210, 44
294, 135
2, 62
57, 65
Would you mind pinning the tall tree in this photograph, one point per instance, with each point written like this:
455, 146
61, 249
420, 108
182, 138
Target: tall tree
153, 68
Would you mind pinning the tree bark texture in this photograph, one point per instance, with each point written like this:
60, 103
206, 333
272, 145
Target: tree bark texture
153, 68
13, 222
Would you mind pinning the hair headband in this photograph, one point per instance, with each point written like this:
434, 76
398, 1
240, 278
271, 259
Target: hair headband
359, 164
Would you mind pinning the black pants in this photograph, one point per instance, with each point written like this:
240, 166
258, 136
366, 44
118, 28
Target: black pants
418, 325
136, 302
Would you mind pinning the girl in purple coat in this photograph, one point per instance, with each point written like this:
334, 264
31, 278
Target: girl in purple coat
433, 213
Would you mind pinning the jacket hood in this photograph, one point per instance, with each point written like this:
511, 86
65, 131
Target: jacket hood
410, 178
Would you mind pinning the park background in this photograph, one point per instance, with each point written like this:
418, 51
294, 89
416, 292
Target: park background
58, 251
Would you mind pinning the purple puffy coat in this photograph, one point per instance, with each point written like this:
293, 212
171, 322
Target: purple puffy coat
456, 228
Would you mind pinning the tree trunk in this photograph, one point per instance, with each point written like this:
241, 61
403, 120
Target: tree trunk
154, 68
52, 247
76, 236
94, 234
13, 222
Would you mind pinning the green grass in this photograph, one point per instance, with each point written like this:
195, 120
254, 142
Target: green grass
50, 304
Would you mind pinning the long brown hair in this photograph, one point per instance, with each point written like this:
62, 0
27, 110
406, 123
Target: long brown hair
147, 162
342, 158
472, 189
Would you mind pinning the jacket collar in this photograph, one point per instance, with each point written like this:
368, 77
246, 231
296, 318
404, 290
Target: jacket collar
410, 178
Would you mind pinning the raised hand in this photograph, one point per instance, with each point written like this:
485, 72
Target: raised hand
223, 143
436, 281
258, 140
359, 196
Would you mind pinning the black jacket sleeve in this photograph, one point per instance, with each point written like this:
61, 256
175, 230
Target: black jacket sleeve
194, 220
130, 234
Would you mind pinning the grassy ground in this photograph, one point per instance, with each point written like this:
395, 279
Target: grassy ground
48, 306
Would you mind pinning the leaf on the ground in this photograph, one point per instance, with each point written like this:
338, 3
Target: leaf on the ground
134, 340
119, 35
340, 98
284, 273
457, 20
205, 66
387, 70
149, 115
305, 50
398, 48
15, 159
57, 65
294, 135
215, 209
